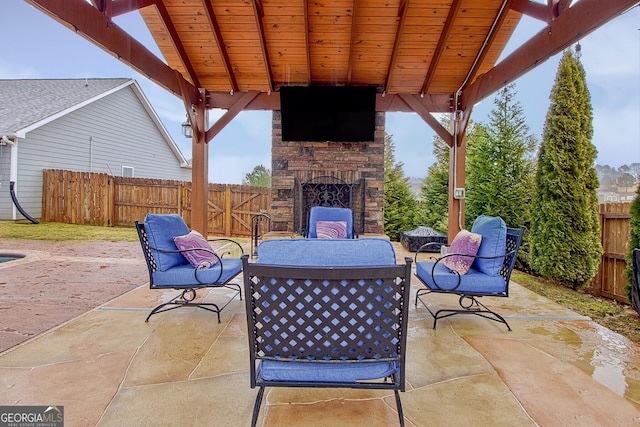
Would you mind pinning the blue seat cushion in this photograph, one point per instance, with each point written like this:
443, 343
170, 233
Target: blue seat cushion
327, 252
473, 282
161, 229
494, 243
274, 370
184, 275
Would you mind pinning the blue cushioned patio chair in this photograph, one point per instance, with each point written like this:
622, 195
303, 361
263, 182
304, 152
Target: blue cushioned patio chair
329, 213
169, 269
327, 326
488, 276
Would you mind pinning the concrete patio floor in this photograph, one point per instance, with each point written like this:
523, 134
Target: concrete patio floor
107, 367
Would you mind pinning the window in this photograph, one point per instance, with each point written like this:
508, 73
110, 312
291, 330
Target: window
127, 171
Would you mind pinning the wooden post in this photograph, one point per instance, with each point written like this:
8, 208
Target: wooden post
200, 172
457, 156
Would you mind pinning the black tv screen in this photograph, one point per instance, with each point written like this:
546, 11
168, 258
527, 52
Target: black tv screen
328, 113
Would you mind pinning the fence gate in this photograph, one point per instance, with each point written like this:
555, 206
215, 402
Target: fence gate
610, 281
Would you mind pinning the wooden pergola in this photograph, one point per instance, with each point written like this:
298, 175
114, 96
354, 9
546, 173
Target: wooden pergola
423, 56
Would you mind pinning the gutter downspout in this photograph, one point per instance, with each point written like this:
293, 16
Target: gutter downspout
13, 168
13, 176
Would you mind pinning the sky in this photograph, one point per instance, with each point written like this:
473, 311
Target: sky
34, 46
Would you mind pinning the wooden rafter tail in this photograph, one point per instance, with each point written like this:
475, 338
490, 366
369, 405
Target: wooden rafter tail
259, 13
177, 43
402, 13
352, 41
217, 34
306, 41
442, 42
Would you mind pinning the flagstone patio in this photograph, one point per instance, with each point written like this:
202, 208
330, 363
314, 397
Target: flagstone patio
107, 367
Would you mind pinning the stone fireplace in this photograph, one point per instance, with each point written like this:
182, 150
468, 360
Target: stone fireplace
354, 172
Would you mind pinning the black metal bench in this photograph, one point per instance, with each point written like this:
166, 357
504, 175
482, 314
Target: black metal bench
324, 326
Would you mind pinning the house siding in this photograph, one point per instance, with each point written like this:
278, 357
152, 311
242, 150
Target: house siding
6, 205
103, 136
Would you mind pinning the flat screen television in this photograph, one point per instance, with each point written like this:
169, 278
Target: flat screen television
328, 113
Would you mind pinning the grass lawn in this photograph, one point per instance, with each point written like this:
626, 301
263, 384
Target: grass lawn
610, 314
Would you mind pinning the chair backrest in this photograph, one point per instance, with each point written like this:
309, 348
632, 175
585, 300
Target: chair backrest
514, 240
326, 213
146, 250
157, 232
327, 313
635, 286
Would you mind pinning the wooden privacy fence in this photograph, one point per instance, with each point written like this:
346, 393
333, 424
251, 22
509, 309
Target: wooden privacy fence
610, 281
101, 199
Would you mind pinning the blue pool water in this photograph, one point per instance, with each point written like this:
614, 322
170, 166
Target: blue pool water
6, 257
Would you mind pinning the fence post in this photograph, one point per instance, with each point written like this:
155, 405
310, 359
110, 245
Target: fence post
180, 190
227, 210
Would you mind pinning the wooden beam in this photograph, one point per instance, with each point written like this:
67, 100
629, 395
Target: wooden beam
442, 42
352, 42
200, 173
234, 110
402, 13
258, 13
88, 22
484, 49
575, 23
306, 42
213, 22
177, 43
531, 8
457, 179
120, 7
413, 102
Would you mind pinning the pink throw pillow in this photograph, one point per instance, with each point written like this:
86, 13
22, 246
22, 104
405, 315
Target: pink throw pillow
465, 243
331, 229
195, 240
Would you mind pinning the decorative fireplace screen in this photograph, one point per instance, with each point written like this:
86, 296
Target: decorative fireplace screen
328, 191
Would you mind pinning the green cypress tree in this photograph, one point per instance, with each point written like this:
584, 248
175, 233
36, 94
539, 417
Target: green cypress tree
399, 202
565, 232
634, 240
500, 166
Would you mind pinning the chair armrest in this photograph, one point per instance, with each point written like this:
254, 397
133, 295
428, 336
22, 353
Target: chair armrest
423, 248
224, 239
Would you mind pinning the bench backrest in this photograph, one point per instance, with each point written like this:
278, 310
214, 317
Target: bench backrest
327, 313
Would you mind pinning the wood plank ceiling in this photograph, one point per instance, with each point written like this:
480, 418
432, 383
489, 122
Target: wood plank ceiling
423, 56
399, 46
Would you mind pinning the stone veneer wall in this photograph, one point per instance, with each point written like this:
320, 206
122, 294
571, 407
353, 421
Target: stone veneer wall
348, 161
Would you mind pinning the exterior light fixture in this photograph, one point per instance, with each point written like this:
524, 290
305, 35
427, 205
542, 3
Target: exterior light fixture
187, 132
